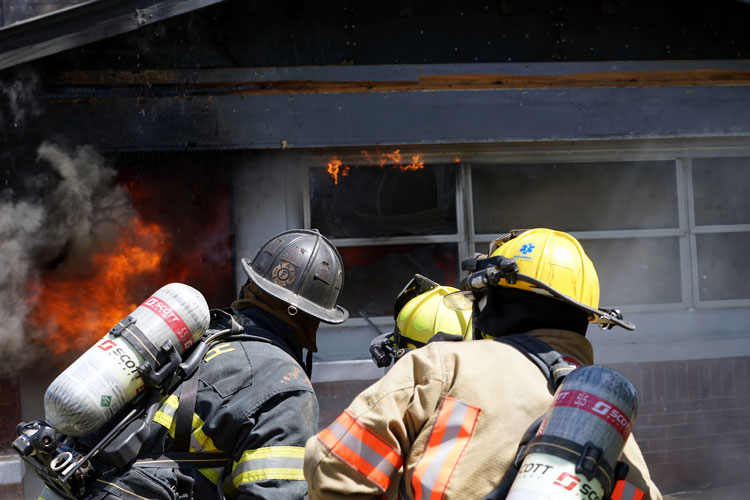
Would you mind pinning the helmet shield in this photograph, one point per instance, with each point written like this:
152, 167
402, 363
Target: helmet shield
303, 269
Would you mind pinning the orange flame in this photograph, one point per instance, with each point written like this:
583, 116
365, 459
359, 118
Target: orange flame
334, 167
416, 163
394, 159
72, 312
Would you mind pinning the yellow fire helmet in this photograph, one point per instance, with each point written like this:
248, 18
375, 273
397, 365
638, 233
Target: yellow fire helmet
426, 317
544, 261
556, 259
421, 316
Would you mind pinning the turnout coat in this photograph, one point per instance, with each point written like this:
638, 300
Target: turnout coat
445, 422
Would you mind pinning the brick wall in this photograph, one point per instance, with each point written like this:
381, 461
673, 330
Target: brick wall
693, 424
10, 415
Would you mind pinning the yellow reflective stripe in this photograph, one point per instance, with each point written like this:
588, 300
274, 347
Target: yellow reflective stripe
166, 412
199, 441
163, 419
266, 474
272, 462
212, 474
272, 452
172, 401
205, 442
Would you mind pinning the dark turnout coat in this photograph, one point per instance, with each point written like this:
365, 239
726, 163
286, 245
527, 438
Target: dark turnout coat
255, 404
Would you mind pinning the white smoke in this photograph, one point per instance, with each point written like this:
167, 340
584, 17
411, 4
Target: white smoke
79, 210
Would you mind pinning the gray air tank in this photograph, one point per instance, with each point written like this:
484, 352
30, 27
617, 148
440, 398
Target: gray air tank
575, 452
105, 378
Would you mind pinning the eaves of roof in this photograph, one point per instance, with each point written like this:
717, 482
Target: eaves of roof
83, 23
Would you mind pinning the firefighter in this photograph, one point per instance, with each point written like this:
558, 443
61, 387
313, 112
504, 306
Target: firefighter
421, 316
252, 407
446, 420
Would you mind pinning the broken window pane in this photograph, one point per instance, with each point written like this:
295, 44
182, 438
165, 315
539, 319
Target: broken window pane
374, 275
374, 201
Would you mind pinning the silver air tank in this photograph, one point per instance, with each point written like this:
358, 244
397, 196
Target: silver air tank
105, 378
575, 452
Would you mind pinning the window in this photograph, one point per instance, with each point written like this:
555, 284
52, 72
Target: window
720, 224
625, 214
668, 232
389, 222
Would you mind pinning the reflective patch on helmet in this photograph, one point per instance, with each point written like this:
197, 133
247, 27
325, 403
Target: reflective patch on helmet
283, 274
527, 248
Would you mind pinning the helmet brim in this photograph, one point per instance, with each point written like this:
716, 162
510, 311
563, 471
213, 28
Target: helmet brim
334, 316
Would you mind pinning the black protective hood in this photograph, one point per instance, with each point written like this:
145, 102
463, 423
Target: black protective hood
508, 311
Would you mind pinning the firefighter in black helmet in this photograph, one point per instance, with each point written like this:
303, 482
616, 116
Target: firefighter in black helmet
252, 407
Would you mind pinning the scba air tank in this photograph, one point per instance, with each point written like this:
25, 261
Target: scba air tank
105, 378
575, 452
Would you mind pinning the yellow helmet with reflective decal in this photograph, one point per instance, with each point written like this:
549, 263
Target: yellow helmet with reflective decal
556, 259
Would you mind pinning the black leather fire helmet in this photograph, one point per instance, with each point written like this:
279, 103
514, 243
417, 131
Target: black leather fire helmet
302, 268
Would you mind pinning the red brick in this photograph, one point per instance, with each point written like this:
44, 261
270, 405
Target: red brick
705, 416
655, 457
693, 380
727, 379
10, 491
669, 419
645, 409
659, 382
651, 433
704, 428
714, 369
670, 374
739, 379
646, 393
681, 380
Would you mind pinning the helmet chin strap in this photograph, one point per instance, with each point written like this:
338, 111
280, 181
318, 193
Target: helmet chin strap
499, 268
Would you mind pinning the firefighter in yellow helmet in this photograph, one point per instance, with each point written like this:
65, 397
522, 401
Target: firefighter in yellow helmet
447, 419
421, 316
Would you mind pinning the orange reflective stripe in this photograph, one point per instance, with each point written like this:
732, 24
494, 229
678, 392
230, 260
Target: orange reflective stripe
361, 449
453, 429
626, 491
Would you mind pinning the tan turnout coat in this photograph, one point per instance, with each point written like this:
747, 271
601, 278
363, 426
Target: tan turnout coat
487, 391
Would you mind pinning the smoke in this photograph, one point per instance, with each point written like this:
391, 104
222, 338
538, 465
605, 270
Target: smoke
63, 215
20, 102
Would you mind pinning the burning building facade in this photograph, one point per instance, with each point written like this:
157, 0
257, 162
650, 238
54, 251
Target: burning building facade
411, 135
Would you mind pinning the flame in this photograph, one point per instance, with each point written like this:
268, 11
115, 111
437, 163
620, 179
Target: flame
72, 312
393, 159
416, 163
334, 167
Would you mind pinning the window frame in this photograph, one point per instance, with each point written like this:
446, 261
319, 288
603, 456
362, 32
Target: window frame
680, 153
459, 238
